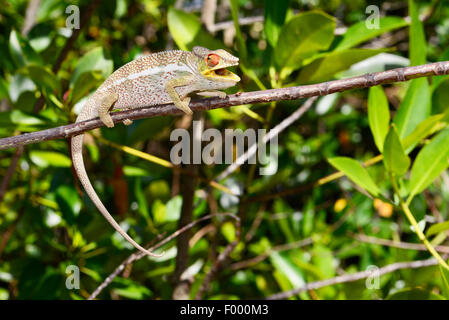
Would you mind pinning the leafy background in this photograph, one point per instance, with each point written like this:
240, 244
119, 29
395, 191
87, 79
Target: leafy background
47, 225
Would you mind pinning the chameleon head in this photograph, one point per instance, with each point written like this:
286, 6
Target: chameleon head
213, 65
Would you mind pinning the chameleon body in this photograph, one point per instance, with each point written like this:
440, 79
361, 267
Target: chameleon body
159, 78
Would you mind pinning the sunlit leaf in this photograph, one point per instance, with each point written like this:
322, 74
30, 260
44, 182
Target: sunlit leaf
50, 158
418, 44
359, 32
430, 162
274, 14
414, 294
69, 202
394, 157
187, 31
423, 130
94, 60
327, 65
437, 228
414, 108
378, 115
356, 173
301, 37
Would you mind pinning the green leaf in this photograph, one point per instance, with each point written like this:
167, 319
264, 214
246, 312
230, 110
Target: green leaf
356, 173
22, 118
241, 43
86, 82
94, 60
50, 158
69, 202
228, 231
414, 294
4, 89
19, 85
394, 157
43, 77
148, 128
131, 289
358, 33
327, 65
445, 280
440, 96
140, 197
437, 228
423, 130
284, 265
302, 37
430, 162
187, 31
418, 44
274, 14
378, 115
21, 51
173, 208
414, 108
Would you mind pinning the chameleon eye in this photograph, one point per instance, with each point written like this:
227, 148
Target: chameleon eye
212, 60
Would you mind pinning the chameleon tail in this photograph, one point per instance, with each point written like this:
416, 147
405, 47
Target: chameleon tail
78, 163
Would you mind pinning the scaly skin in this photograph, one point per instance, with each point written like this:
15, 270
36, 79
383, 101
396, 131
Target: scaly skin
159, 78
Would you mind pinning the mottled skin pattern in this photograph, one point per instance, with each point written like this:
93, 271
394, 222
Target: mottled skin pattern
159, 78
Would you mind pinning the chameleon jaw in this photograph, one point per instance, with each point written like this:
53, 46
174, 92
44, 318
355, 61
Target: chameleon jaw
221, 74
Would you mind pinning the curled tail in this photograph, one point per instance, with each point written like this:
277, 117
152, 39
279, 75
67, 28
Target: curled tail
78, 163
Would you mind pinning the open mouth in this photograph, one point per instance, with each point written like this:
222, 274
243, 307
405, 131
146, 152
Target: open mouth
223, 73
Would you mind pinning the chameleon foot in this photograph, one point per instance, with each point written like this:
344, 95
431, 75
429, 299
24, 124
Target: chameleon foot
184, 105
127, 122
107, 120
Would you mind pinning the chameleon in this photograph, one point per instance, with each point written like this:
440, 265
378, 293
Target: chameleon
159, 78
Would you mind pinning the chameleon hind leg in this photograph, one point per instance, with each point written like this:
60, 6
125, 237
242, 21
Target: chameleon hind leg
180, 103
106, 104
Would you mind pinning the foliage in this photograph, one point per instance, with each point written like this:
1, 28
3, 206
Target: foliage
400, 130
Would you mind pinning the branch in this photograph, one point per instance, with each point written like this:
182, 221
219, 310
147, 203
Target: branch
263, 96
188, 186
139, 255
397, 244
271, 134
354, 277
9, 172
219, 262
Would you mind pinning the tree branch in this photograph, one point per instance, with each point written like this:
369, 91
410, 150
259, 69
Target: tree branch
354, 277
263, 96
397, 244
139, 255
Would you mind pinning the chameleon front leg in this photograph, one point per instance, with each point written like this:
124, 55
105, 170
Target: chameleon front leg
106, 103
212, 93
181, 103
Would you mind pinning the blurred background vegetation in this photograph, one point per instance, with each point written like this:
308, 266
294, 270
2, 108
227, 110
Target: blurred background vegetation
292, 232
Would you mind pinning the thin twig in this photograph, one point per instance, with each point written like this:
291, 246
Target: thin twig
220, 261
263, 96
188, 186
354, 277
283, 247
270, 135
397, 244
138, 255
10, 171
